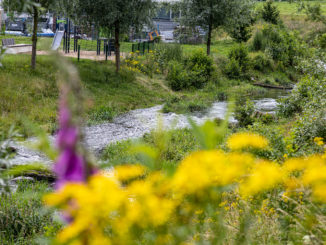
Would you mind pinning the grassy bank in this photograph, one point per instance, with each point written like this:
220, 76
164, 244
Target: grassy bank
291, 8
32, 95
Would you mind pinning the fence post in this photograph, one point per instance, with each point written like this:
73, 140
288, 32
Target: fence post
68, 44
78, 52
133, 48
106, 51
64, 41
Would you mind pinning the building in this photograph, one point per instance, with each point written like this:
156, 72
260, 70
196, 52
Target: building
166, 21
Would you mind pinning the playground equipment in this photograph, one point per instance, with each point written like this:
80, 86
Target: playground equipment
56, 43
153, 34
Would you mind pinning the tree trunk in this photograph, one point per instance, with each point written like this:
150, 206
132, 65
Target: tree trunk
34, 38
117, 45
209, 35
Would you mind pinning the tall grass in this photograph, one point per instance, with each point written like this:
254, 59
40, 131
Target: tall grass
22, 218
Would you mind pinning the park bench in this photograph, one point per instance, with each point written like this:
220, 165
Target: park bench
13, 48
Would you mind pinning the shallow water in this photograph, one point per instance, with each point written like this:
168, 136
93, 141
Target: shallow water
136, 123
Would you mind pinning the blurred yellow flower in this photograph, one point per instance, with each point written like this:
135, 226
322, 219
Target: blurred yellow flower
243, 140
130, 171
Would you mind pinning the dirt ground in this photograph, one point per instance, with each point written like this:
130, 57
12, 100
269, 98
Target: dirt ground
91, 55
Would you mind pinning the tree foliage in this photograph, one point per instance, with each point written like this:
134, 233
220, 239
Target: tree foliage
270, 13
119, 16
35, 8
211, 14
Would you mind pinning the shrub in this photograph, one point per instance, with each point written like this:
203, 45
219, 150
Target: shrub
239, 62
270, 13
233, 69
280, 44
309, 126
240, 53
199, 61
258, 42
165, 53
244, 113
177, 76
195, 73
322, 41
262, 63
241, 33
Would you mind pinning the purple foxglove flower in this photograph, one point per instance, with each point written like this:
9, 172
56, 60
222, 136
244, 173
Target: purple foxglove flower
70, 165
67, 138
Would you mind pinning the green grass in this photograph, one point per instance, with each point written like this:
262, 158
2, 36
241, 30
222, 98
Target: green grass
44, 43
33, 95
220, 47
37, 171
176, 145
23, 217
287, 8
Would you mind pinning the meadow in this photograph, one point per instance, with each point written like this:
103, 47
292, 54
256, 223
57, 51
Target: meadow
260, 180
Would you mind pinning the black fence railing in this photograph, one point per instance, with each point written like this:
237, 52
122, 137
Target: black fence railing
143, 47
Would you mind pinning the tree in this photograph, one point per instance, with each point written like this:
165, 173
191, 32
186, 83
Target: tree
118, 16
270, 13
211, 14
35, 9
240, 29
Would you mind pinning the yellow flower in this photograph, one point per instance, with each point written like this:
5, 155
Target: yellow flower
243, 140
315, 172
319, 141
294, 164
127, 172
209, 168
265, 175
319, 192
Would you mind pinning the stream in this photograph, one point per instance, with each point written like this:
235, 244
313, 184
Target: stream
136, 123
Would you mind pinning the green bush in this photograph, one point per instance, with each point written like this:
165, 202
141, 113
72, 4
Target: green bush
194, 73
275, 138
270, 13
239, 62
258, 42
165, 53
242, 32
177, 77
308, 94
232, 69
240, 53
244, 113
322, 41
280, 44
199, 61
262, 63
309, 126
